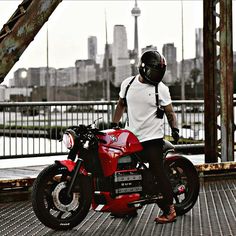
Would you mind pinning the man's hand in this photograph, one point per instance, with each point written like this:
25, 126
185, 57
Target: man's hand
114, 125
175, 134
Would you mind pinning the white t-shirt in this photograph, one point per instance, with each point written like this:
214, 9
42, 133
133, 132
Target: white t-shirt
142, 107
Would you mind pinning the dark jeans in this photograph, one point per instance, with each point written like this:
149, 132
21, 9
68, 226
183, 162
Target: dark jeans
153, 151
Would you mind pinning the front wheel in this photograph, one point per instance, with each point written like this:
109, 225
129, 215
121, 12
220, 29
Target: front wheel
185, 183
51, 204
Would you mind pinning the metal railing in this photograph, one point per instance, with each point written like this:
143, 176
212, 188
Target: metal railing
34, 128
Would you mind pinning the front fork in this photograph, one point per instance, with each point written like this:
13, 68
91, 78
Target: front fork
75, 177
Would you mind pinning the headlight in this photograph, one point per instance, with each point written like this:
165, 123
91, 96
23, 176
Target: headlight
69, 139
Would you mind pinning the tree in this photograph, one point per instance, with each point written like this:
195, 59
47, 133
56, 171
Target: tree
195, 72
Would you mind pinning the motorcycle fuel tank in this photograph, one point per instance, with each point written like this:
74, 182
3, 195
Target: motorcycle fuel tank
116, 143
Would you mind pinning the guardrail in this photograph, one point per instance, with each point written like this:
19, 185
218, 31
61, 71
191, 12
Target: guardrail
30, 129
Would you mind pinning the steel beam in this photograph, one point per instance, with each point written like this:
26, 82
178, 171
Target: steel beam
210, 94
21, 29
218, 80
223, 166
226, 86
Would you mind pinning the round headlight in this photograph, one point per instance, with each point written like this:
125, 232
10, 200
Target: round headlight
69, 139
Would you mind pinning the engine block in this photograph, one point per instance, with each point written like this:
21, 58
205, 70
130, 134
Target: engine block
128, 181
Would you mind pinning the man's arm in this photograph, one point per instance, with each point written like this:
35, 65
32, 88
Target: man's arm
171, 117
120, 108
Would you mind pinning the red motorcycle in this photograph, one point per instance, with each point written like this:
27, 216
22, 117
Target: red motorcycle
106, 170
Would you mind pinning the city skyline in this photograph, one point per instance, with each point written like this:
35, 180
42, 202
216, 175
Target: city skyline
68, 42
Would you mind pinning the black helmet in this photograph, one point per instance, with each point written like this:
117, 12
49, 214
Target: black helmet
152, 67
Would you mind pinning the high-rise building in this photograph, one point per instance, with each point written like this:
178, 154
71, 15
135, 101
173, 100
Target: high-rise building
92, 48
169, 52
86, 70
198, 64
187, 66
120, 55
66, 76
47, 76
20, 79
2, 93
199, 42
108, 64
33, 75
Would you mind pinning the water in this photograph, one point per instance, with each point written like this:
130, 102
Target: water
47, 160
23, 146
34, 161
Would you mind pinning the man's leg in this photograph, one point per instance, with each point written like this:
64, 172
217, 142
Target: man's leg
153, 150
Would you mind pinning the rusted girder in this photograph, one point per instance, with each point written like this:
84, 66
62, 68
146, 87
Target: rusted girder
218, 80
210, 77
226, 86
216, 166
28, 181
16, 183
21, 29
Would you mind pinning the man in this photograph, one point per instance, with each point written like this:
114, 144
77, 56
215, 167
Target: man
147, 99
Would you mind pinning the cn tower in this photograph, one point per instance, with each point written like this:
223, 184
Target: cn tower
135, 13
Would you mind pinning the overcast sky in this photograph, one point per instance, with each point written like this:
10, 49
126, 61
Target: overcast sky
74, 21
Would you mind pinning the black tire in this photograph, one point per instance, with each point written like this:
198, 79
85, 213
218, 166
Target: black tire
50, 202
185, 183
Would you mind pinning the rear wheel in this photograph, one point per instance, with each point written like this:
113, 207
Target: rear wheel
51, 204
185, 183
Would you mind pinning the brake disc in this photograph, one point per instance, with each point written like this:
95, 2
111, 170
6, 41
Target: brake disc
73, 202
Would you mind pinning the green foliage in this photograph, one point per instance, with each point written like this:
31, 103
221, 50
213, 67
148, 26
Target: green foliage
195, 72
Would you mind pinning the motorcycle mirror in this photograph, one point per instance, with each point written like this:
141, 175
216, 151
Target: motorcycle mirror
93, 126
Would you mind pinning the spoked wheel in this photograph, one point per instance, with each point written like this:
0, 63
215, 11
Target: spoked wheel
185, 183
51, 203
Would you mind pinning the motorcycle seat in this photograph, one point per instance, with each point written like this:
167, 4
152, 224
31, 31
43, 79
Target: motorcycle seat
168, 146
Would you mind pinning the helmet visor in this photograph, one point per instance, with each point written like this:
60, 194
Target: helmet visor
155, 75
